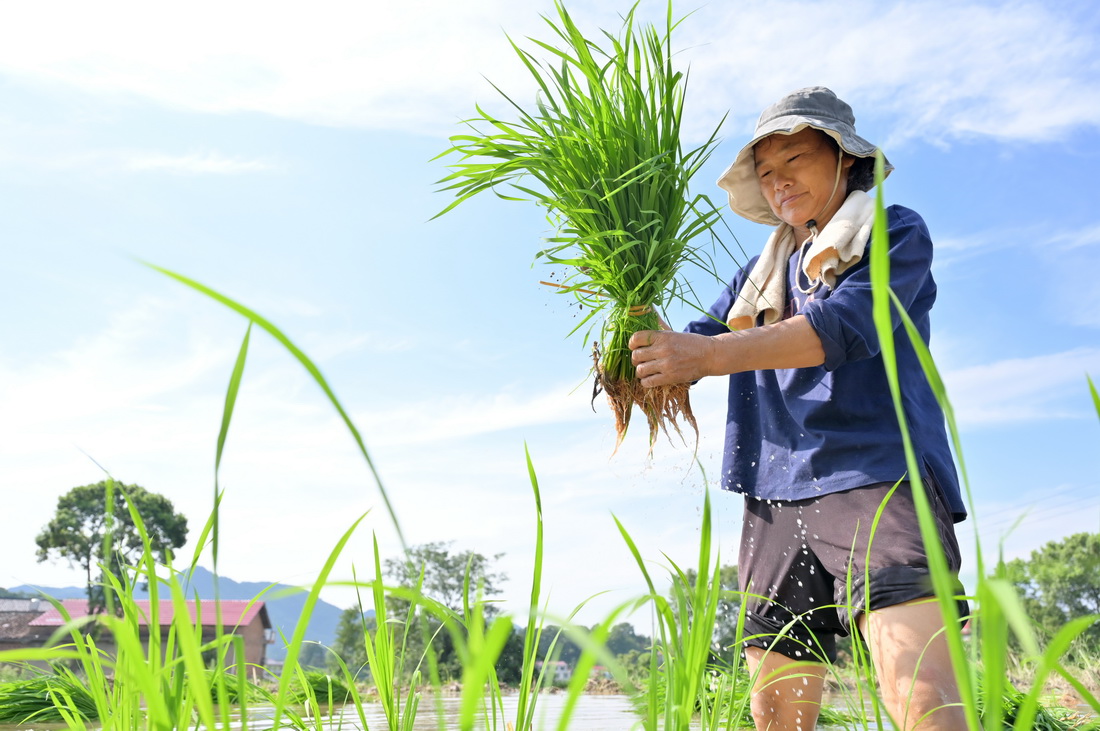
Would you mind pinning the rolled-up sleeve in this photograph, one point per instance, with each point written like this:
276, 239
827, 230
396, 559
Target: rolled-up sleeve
843, 316
714, 321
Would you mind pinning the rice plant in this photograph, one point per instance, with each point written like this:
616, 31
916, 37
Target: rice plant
41, 698
601, 152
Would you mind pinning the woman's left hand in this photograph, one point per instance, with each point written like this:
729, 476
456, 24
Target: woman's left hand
664, 358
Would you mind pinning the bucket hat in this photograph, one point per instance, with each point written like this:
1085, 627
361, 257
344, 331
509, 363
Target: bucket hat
815, 107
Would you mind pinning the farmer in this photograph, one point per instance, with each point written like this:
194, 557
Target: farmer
812, 437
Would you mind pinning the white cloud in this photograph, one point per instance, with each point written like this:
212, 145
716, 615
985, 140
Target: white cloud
41, 151
938, 70
208, 163
1071, 240
1018, 390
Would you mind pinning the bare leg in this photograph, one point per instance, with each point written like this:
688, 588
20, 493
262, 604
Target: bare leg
913, 666
786, 693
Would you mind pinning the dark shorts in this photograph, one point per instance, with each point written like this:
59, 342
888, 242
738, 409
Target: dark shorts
803, 564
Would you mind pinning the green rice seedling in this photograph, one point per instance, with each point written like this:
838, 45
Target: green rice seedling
41, 698
601, 152
318, 688
386, 656
1095, 395
349, 682
593, 644
686, 626
531, 682
231, 693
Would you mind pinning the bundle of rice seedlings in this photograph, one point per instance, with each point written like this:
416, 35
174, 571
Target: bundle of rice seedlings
41, 698
601, 152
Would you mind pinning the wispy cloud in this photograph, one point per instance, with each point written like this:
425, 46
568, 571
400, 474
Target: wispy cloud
39, 154
1071, 240
1018, 390
1067, 249
936, 70
939, 70
209, 163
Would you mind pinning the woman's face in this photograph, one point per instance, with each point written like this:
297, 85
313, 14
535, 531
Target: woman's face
797, 175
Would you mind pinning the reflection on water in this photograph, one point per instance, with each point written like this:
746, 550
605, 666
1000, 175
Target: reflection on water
591, 713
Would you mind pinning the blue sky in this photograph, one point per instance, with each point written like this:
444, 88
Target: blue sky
283, 156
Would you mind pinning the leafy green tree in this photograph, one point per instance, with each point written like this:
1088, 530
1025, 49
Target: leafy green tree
445, 573
1060, 582
565, 649
623, 639
314, 656
80, 527
444, 580
509, 665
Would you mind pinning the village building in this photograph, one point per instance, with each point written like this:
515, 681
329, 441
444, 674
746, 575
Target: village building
557, 671
30, 623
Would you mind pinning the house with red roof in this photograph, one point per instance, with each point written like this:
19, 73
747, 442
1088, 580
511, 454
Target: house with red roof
30, 623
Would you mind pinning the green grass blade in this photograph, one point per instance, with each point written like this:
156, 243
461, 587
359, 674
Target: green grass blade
884, 325
308, 364
1095, 395
291, 661
223, 432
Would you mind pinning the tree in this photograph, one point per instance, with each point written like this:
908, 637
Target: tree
509, 665
445, 573
623, 639
1061, 582
80, 528
314, 656
565, 649
445, 578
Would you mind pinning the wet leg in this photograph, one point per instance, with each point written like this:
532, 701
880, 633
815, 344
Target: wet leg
786, 693
913, 666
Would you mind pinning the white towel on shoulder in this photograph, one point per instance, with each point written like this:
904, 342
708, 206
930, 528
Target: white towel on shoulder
835, 249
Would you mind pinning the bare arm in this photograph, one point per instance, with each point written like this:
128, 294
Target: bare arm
664, 358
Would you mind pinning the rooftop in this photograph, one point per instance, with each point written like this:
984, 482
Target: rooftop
233, 613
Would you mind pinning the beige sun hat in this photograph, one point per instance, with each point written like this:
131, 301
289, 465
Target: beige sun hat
814, 106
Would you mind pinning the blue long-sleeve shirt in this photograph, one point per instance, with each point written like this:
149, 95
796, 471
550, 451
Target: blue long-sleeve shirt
797, 433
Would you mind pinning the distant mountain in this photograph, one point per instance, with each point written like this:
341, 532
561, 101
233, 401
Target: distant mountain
283, 607
57, 592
